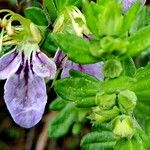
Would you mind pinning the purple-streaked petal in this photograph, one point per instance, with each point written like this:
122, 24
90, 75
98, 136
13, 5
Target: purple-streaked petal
25, 98
92, 69
43, 66
60, 59
9, 63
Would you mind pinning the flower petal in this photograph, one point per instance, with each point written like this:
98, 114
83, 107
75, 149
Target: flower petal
60, 58
25, 99
43, 66
92, 69
9, 63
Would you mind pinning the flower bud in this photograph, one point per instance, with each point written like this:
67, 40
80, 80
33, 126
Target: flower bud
105, 101
112, 68
59, 24
127, 101
123, 126
10, 30
35, 33
4, 22
104, 115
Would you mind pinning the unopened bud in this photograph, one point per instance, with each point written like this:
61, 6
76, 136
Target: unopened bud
104, 115
36, 34
4, 22
105, 101
10, 30
127, 101
123, 126
112, 68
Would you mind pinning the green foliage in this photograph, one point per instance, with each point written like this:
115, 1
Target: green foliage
50, 9
104, 140
139, 41
138, 142
58, 104
32, 12
75, 47
48, 44
60, 125
129, 67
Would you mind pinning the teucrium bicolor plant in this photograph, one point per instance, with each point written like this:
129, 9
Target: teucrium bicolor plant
99, 81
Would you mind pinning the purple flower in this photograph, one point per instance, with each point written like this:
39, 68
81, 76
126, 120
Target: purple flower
128, 3
63, 63
25, 92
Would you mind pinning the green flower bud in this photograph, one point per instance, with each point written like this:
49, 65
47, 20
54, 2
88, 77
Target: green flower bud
35, 33
112, 68
4, 22
105, 101
123, 126
104, 115
71, 20
127, 101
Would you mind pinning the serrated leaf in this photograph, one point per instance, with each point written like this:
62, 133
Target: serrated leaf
60, 125
74, 89
104, 140
58, 104
76, 48
31, 13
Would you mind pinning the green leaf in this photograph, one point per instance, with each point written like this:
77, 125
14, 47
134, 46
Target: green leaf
120, 83
130, 17
50, 9
48, 44
129, 67
130, 144
58, 104
75, 74
75, 89
60, 125
139, 41
104, 140
32, 12
61, 4
91, 11
76, 48
142, 85
86, 102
